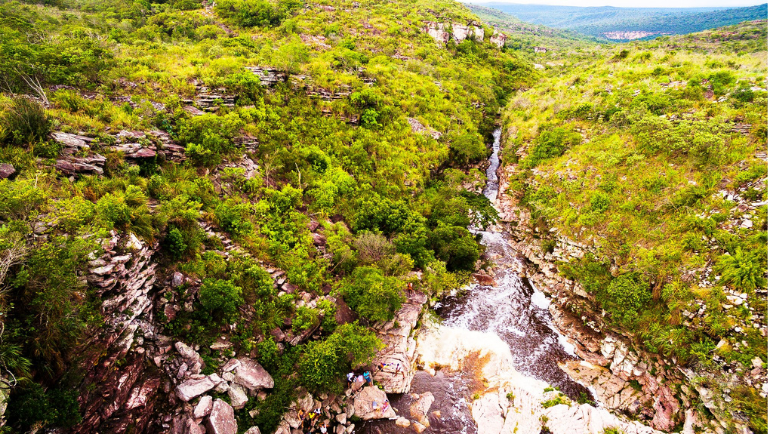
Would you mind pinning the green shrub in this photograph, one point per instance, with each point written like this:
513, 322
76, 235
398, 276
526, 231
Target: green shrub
743, 270
21, 198
268, 354
52, 309
381, 214
372, 295
234, 217
323, 365
24, 122
33, 406
599, 202
175, 243
208, 138
221, 298
466, 149
456, 246
250, 13
625, 298
552, 142
305, 318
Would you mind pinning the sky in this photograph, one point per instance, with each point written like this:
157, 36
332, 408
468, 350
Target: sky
634, 3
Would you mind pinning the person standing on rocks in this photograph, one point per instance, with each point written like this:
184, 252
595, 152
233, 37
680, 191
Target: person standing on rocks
368, 378
399, 370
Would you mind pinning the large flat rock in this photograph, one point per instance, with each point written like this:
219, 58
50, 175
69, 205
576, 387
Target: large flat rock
364, 404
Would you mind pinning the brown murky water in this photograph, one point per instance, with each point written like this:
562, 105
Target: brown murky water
511, 309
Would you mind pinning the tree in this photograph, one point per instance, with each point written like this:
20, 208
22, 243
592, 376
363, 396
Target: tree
455, 246
324, 363
371, 294
467, 148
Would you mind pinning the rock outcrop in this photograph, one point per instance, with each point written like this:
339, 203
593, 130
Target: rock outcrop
369, 404
498, 38
437, 31
398, 355
268, 76
444, 32
124, 277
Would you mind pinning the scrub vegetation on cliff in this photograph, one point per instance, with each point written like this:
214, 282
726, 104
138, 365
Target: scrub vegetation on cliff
323, 160
654, 154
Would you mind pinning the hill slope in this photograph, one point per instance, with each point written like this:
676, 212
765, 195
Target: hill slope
185, 184
631, 23
652, 156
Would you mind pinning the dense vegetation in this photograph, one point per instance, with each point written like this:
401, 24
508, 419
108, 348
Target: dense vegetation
654, 153
390, 199
602, 21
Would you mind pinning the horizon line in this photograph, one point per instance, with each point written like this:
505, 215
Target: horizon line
731, 6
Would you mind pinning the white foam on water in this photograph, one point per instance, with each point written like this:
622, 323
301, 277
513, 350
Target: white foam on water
539, 299
567, 346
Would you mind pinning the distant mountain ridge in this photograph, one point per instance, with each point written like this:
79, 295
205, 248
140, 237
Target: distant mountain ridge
630, 23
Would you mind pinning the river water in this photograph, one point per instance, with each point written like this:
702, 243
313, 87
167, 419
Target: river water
510, 309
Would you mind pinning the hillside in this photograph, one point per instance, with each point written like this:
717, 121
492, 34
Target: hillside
183, 185
275, 216
621, 24
526, 37
652, 155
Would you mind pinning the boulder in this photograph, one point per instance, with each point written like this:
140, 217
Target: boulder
177, 280
252, 376
203, 407
237, 396
192, 388
6, 170
364, 404
403, 422
253, 430
222, 419
185, 425
420, 408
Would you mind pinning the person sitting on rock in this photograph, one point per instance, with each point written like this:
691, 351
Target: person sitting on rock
301, 416
375, 407
350, 379
368, 378
385, 406
324, 428
410, 289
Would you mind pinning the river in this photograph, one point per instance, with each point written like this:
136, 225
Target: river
509, 315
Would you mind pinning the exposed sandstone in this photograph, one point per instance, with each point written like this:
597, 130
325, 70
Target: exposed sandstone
399, 352
222, 419
365, 401
193, 388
